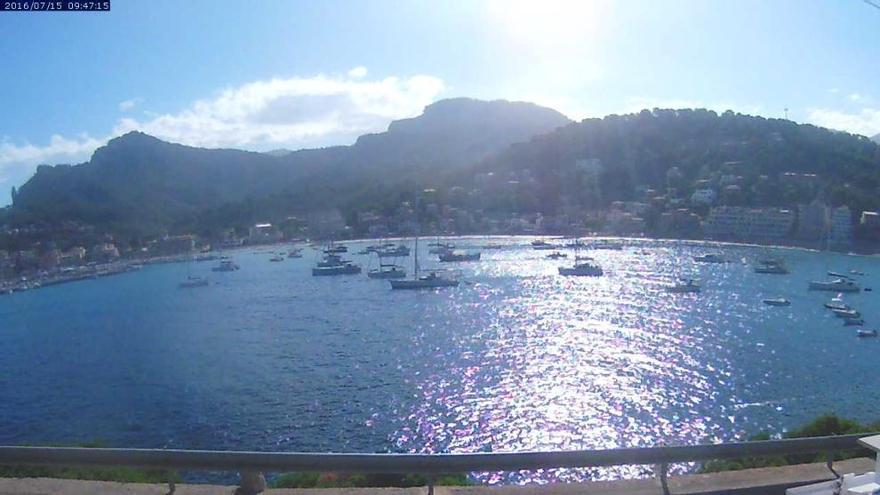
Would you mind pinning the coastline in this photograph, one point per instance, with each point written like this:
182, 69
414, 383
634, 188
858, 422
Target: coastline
85, 272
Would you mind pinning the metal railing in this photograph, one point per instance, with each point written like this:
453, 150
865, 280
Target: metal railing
252, 464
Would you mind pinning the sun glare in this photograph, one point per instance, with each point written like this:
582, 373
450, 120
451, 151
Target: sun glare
548, 23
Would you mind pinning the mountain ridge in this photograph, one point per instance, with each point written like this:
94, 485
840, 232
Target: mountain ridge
140, 179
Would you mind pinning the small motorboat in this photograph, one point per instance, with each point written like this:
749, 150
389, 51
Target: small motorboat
542, 245
429, 281
455, 256
837, 305
777, 301
556, 255
684, 288
846, 313
867, 333
192, 282
295, 254
771, 266
387, 271
856, 272
710, 258
226, 265
276, 258
837, 275
853, 322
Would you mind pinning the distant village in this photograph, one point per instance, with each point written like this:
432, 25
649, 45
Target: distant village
710, 209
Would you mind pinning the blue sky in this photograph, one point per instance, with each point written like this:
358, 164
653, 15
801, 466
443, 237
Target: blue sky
267, 74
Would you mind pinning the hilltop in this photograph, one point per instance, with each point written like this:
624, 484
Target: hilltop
143, 185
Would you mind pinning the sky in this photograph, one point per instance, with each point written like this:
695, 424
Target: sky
262, 75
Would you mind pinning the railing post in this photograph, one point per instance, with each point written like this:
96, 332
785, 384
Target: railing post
829, 462
251, 483
661, 470
431, 484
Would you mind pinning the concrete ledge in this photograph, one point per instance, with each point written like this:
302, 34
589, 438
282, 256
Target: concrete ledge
763, 481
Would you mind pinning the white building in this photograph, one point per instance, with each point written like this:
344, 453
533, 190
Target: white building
841, 227
732, 222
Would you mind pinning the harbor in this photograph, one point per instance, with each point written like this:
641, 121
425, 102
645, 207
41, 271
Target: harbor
631, 362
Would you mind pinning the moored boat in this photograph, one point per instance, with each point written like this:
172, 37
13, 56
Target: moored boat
853, 322
555, 255
682, 288
192, 282
771, 266
836, 285
581, 269
710, 258
429, 281
846, 313
867, 333
226, 265
777, 301
456, 256
387, 271
333, 264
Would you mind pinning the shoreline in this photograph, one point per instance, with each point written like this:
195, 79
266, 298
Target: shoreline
86, 272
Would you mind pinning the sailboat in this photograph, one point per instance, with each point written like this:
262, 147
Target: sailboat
583, 267
387, 270
430, 281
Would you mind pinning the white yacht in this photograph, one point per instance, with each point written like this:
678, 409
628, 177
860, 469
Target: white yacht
333, 264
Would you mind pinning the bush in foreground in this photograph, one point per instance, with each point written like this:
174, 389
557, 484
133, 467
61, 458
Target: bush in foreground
826, 425
120, 474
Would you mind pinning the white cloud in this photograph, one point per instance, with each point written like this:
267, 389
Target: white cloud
865, 121
358, 72
129, 104
290, 112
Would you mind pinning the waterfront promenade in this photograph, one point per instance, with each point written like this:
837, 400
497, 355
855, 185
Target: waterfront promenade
748, 481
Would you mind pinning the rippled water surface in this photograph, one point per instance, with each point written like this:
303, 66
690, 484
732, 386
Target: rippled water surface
517, 358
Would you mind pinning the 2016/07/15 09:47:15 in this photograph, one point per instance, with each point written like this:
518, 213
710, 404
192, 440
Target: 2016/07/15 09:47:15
55, 6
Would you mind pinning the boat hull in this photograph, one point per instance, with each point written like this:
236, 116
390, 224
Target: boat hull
576, 272
387, 274
422, 284
336, 270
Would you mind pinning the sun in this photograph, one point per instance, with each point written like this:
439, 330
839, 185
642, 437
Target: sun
548, 23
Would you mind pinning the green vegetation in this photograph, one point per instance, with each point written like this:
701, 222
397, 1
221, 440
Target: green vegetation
120, 474
331, 480
825, 425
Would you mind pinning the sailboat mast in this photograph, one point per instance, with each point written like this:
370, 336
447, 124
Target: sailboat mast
416, 247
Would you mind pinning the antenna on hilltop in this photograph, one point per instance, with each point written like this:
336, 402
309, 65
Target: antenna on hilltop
786, 113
